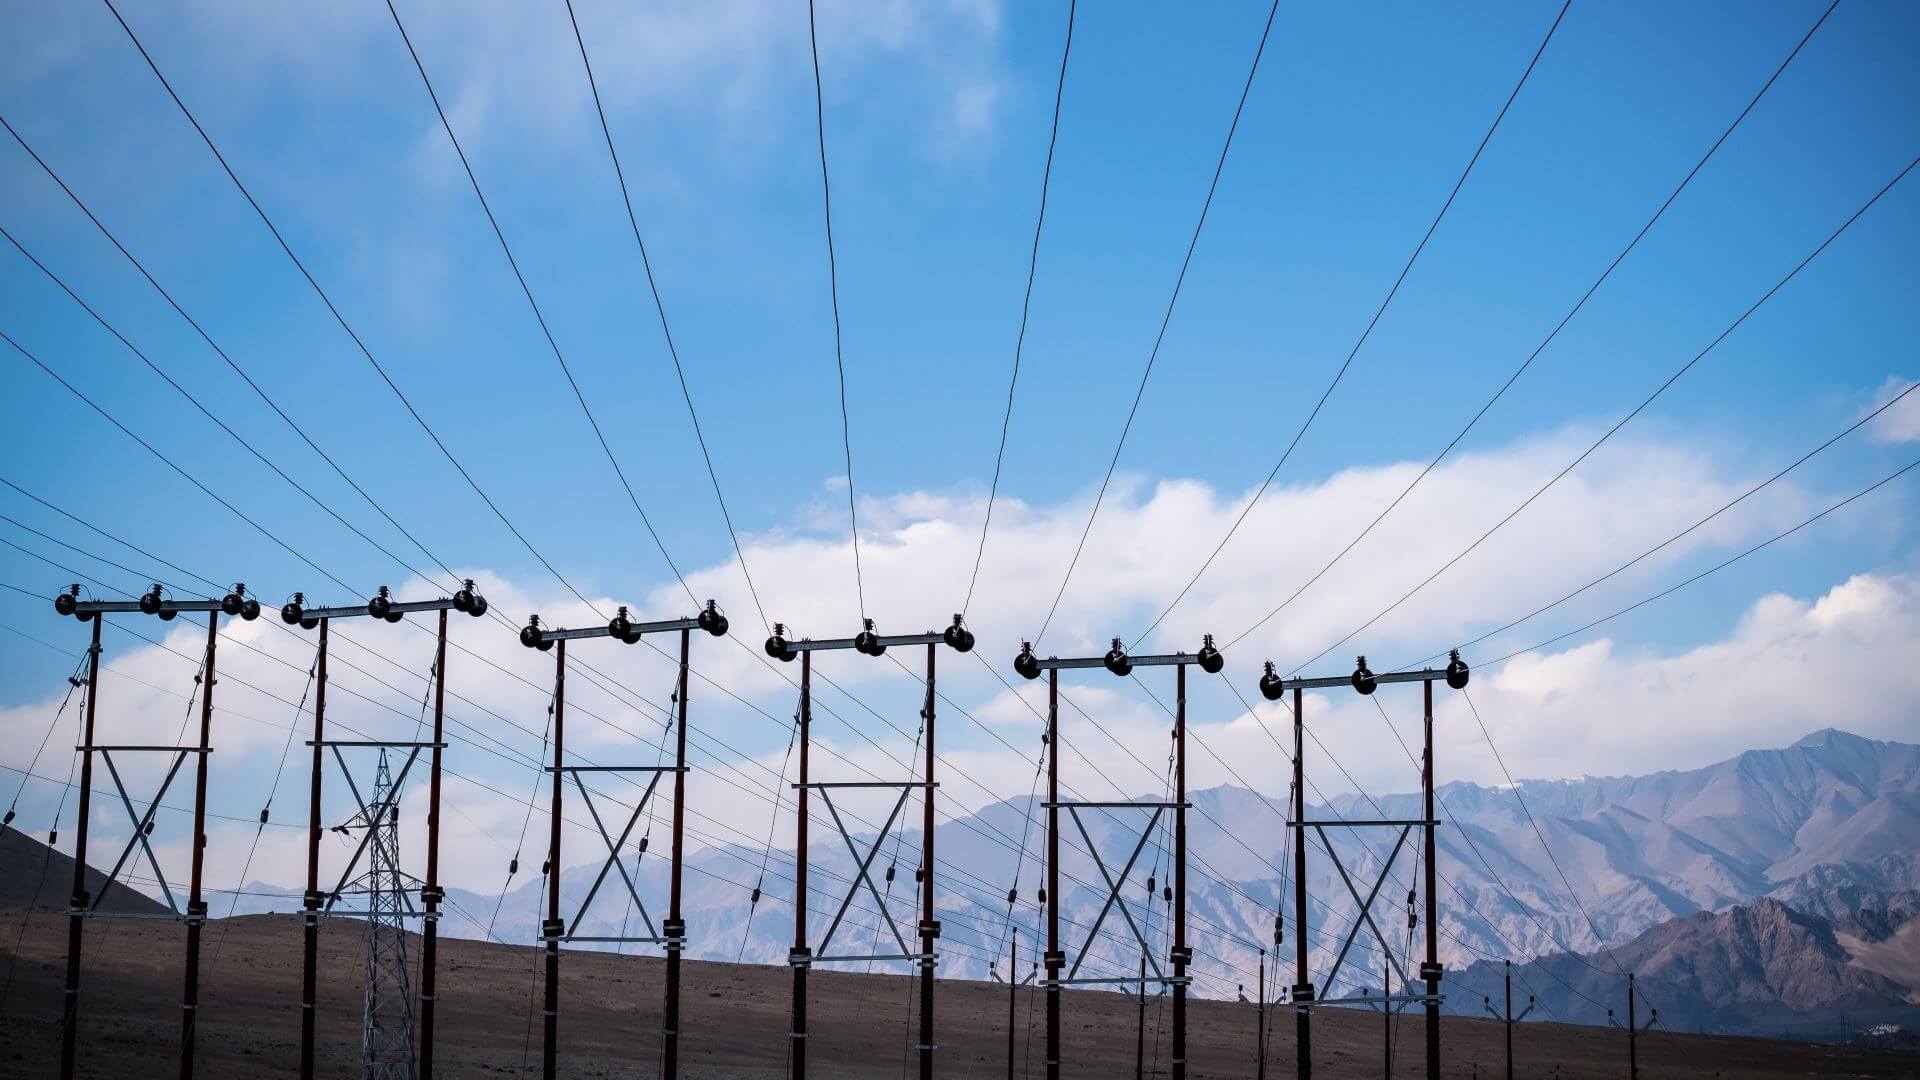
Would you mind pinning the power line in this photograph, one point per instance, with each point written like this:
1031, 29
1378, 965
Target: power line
1554, 333
527, 290
1392, 291
1636, 410
1717, 567
1723, 508
1166, 319
833, 291
1026, 306
335, 311
659, 306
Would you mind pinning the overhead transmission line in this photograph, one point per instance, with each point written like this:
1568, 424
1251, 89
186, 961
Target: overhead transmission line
527, 290
335, 311
1635, 411
833, 292
1026, 305
1683, 533
660, 308
1715, 568
1165, 320
1553, 334
1367, 332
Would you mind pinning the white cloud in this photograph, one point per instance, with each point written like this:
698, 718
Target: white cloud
1789, 666
1900, 424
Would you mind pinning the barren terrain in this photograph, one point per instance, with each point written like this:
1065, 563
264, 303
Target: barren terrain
735, 1020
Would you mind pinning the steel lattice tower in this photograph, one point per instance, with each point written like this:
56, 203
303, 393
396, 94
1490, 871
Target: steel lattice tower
387, 1050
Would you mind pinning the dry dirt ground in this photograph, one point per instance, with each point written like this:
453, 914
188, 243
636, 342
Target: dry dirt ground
735, 1020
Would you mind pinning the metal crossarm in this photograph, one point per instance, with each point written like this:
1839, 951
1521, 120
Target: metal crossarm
141, 822
862, 866
1366, 908
370, 813
613, 851
1113, 892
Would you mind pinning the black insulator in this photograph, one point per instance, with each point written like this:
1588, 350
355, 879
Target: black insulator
545, 865
919, 874
149, 828
250, 609
463, 600
67, 602
380, 604
308, 624
167, 614
86, 616
513, 866
712, 621
230, 604
394, 616
1043, 894
1456, 671
291, 612
1211, 660
1166, 894
643, 845
545, 645
8, 820
53, 837
1116, 660
150, 601
1149, 882
263, 815
1412, 897
530, 633
1012, 894
1271, 686
620, 625
755, 898
958, 637
1364, 679
778, 646
479, 606
1027, 664
868, 642
889, 874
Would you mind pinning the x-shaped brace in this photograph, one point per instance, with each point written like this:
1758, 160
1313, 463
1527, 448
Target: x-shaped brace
141, 823
613, 854
1113, 891
371, 815
1366, 907
861, 876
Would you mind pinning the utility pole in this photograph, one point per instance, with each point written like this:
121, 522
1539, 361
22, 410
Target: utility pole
1140, 1028
1633, 1035
1260, 1023
1506, 1016
82, 905
1013, 990
1117, 662
387, 901
671, 934
1365, 681
804, 955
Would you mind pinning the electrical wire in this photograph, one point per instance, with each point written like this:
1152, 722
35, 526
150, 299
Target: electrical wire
1623, 421
1366, 333
1026, 307
1166, 319
833, 291
1561, 325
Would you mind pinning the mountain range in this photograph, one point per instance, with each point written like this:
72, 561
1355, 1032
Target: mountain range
1771, 891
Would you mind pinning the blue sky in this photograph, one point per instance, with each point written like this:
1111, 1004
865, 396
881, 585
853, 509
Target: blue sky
937, 117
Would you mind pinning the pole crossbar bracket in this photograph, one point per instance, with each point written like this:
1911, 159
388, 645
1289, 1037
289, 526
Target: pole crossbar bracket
612, 861
370, 813
1113, 888
142, 823
862, 873
1366, 907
